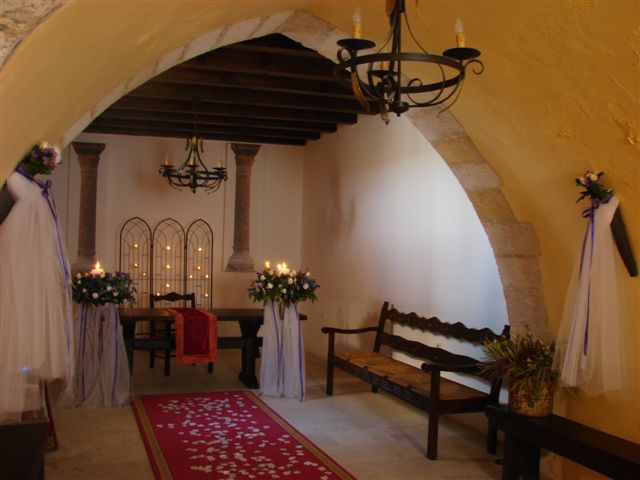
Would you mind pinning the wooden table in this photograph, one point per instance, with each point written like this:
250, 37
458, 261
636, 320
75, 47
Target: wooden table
525, 436
249, 320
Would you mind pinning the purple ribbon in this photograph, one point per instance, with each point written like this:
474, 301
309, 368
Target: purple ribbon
590, 233
278, 346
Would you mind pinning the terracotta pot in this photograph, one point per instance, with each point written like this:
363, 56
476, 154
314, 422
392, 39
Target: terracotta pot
539, 405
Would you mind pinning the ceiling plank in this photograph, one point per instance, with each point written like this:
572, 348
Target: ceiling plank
240, 96
227, 59
186, 106
206, 136
115, 112
185, 130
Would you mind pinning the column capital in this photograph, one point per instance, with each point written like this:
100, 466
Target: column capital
86, 149
245, 149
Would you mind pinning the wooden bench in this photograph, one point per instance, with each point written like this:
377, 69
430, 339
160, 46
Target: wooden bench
524, 437
425, 387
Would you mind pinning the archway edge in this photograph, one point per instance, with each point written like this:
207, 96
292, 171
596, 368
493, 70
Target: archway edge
514, 243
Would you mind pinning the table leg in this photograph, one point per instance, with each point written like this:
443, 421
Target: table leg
521, 460
128, 332
249, 329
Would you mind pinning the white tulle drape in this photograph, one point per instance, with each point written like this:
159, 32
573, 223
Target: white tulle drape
282, 368
589, 344
102, 371
35, 299
292, 354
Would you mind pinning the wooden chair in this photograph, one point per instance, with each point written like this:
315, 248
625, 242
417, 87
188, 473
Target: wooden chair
166, 335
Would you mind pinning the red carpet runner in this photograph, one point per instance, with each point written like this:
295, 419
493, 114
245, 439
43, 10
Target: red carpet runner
226, 435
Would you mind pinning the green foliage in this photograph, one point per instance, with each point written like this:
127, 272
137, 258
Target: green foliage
100, 288
525, 361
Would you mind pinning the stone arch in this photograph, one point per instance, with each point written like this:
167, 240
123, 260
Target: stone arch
515, 244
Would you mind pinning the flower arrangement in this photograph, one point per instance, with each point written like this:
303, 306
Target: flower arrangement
593, 188
526, 362
41, 159
283, 285
98, 288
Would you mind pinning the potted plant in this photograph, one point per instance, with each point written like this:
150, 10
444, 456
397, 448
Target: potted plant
526, 363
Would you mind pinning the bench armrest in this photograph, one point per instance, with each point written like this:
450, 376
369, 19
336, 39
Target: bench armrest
345, 330
466, 368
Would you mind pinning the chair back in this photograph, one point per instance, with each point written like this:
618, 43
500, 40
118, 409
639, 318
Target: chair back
173, 297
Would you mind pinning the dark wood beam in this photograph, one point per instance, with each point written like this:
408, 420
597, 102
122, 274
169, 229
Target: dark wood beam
186, 106
208, 136
187, 118
209, 78
185, 129
239, 96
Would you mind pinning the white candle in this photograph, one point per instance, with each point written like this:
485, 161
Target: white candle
97, 270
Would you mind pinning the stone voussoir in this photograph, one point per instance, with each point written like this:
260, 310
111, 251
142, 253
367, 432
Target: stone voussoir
512, 238
476, 176
519, 272
458, 150
491, 205
525, 307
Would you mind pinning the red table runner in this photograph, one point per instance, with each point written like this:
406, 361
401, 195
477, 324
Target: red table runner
196, 335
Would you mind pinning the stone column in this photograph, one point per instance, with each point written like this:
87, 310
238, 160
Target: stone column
88, 156
240, 260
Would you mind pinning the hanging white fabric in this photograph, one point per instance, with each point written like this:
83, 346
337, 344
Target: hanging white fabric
35, 299
282, 367
271, 382
293, 354
102, 369
589, 346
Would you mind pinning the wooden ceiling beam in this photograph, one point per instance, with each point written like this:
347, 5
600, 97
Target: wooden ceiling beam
186, 106
185, 130
208, 78
206, 136
240, 96
204, 119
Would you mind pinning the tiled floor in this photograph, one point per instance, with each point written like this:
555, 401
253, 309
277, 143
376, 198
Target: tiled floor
374, 436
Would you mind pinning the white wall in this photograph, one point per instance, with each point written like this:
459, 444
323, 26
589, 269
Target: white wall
129, 185
385, 219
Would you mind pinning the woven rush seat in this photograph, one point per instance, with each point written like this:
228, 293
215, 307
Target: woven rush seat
407, 376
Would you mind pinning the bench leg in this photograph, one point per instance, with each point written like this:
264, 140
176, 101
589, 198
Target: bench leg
492, 440
432, 436
329, 376
374, 389
210, 367
152, 358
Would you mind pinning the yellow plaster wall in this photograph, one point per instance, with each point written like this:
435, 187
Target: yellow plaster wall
560, 94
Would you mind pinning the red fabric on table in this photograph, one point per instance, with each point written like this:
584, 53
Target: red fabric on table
196, 335
224, 435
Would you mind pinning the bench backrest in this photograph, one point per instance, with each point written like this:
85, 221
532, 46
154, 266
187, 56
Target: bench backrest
431, 325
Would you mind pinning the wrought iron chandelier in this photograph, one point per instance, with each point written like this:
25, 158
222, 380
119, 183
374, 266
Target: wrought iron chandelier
193, 173
383, 85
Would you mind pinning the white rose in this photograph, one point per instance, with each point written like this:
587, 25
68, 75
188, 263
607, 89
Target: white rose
78, 275
292, 273
84, 290
593, 177
102, 275
290, 281
115, 293
284, 290
305, 286
308, 274
108, 288
79, 282
95, 295
269, 285
263, 278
